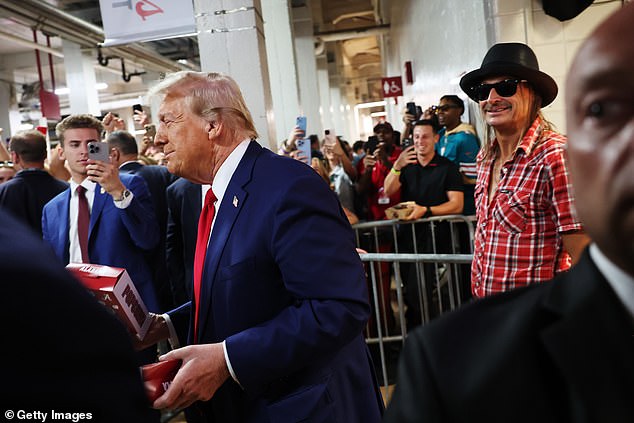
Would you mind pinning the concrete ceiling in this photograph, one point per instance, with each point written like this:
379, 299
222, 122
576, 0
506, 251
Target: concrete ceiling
347, 28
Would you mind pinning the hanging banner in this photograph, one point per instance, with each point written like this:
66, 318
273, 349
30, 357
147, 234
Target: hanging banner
129, 21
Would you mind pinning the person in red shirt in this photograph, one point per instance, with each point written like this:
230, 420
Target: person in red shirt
373, 169
526, 231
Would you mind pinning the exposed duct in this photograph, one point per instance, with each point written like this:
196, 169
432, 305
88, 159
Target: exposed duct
49, 19
348, 34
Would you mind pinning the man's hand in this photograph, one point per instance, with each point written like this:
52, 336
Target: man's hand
298, 155
369, 160
296, 134
158, 331
203, 371
417, 212
408, 156
381, 153
113, 123
141, 117
107, 175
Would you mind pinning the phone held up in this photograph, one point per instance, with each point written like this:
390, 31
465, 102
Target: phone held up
303, 146
373, 141
99, 151
300, 122
406, 143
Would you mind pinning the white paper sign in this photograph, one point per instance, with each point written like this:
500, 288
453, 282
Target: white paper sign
129, 21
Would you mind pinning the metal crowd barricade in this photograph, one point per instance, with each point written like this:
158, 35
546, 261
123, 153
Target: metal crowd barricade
388, 325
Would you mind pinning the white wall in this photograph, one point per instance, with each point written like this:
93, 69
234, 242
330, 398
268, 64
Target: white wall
442, 39
445, 38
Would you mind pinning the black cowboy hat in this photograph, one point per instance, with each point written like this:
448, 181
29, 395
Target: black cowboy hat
512, 59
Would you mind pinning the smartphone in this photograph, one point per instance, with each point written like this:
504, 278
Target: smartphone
99, 151
411, 108
300, 122
303, 146
136, 107
373, 140
407, 142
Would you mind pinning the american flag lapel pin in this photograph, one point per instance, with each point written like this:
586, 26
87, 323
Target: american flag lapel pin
235, 201
103, 190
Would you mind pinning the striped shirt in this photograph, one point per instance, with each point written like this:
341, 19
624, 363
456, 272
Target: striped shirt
518, 235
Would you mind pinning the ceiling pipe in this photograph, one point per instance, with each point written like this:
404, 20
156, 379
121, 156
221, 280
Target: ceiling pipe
352, 16
49, 19
31, 44
348, 34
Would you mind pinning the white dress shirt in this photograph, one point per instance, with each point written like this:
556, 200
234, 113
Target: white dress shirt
219, 187
621, 282
73, 212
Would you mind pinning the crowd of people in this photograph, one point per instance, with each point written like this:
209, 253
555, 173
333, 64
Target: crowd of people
246, 259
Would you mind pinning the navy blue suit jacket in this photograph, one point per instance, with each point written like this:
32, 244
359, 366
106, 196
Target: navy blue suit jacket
68, 352
117, 237
25, 195
284, 286
184, 203
157, 179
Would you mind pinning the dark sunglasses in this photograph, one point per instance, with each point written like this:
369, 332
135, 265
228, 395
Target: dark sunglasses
446, 107
506, 88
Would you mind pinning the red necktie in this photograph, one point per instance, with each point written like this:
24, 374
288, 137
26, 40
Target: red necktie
204, 229
83, 223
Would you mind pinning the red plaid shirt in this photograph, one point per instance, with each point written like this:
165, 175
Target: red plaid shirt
518, 234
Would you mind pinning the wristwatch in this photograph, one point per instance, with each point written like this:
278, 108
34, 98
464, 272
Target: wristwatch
125, 194
427, 212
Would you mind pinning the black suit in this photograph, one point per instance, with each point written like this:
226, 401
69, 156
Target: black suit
157, 179
557, 352
25, 195
184, 200
61, 349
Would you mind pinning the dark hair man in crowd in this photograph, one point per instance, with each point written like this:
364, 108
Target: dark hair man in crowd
103, 217
435, 184
459, 143
124, 154
526, 231
70, 354
25, 195
560, 351
266, 323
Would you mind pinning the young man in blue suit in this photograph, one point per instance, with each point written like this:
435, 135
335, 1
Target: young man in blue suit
122, 222
282, 299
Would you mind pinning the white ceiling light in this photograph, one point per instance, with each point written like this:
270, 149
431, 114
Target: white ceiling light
66, 90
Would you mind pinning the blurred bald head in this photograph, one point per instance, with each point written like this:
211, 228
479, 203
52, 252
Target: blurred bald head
600, 119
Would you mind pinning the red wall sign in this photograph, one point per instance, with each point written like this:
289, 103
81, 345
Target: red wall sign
392, 87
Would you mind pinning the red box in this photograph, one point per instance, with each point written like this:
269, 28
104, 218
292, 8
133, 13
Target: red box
113, 288
157, 377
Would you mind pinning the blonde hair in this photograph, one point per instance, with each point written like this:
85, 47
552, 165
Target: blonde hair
209, 95
533, 111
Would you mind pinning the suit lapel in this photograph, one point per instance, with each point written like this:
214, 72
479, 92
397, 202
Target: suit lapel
592, 343
63, 233
232, 202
